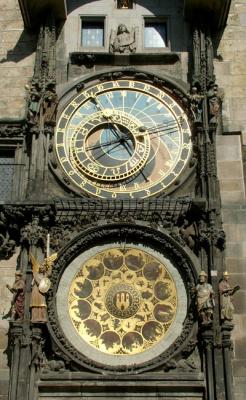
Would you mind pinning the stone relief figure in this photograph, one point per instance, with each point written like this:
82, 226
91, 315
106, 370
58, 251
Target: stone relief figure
17, 303
204, 299
226, 292
124, 41
40, 286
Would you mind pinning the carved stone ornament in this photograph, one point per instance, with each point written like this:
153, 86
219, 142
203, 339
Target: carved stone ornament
98, 241
123, 40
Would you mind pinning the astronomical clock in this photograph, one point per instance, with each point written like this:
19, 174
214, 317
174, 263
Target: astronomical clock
120, 292
123, 139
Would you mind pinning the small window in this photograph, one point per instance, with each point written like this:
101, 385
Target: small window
92, 32
155, 33
7, 168
127, 4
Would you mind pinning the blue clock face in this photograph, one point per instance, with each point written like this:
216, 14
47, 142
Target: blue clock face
123, 139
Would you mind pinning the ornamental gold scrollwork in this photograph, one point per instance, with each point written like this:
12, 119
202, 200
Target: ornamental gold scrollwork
122, 301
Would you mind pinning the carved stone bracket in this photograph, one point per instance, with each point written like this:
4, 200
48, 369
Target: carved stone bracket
12, 129
226, 330
26, 224
212, 236
91, 59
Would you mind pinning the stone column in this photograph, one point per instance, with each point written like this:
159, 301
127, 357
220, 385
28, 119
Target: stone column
207, 337
226, 329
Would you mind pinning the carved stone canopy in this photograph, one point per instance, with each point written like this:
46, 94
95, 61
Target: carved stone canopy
31, 10
217, 10
214, 12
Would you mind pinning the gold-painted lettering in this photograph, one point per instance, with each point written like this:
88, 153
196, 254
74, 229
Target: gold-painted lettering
74, 104
116, 84
100, 88
160, 95
146, 87
82, 184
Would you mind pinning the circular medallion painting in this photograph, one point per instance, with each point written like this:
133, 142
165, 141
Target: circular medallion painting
124, 303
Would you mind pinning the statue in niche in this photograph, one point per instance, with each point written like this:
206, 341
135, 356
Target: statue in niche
49, 105
40, 286
196, 104
17, 303
124, 4
34, 101
204, 299
124, 41
214, 102
226, 292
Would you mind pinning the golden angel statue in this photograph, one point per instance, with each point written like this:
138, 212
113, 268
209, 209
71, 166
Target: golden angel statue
40, 286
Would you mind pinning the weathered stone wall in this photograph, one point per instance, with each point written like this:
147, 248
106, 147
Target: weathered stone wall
17, 54
231, 76
7, 276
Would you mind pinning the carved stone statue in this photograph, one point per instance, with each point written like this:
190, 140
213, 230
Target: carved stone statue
204, 299
214, 103
49, 105
226, 292
124, 41
196, 104
188, 232
17, 303
40, 286
34, 102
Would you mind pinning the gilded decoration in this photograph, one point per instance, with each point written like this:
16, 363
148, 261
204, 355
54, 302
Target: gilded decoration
122, 302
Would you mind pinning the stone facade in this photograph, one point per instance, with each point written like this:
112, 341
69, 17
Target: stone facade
17, 56
230, 71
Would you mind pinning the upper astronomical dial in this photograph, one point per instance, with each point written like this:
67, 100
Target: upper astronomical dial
123, 138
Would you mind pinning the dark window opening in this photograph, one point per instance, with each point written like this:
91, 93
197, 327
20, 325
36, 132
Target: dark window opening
92, 32
155, 33
127, 4
7, 169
